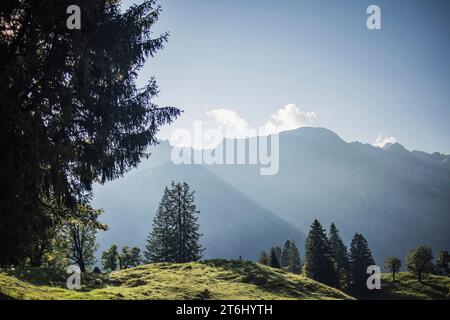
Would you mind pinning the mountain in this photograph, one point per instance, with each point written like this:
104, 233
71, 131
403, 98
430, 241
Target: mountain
232, 225
392, 196
398, 199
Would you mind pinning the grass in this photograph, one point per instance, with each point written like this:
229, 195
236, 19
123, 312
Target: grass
211, 279
407, 287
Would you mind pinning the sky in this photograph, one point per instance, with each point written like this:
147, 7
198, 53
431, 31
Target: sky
279, 65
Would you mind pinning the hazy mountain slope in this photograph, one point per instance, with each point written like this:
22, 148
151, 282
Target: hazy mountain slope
396, 200
232, 225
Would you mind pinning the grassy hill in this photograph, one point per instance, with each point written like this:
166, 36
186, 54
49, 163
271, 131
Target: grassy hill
211, 279
407, 287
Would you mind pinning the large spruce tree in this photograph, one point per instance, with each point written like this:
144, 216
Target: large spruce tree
71, 112
340, 256
319, 264
360, 259
175, 236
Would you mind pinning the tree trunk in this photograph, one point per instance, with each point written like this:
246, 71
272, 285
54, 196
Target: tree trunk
82, 266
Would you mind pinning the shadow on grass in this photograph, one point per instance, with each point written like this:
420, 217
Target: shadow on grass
274, 281
55, 277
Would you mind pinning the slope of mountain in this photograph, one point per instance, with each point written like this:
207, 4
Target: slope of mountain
232, 225
213, 279
395, 199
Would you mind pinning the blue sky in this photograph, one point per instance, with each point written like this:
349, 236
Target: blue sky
256, 57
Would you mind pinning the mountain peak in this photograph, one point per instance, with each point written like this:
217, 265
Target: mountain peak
396, 148
313, 133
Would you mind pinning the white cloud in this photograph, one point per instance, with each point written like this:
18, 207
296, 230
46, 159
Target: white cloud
382, 140
233, 125
229, 121
288, 118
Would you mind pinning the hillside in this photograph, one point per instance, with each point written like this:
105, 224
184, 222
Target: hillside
211, 279
407, 287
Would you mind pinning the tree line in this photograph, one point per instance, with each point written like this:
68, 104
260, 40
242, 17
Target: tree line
328, 261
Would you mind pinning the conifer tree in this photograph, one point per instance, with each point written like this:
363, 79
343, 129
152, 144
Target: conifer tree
319, 263
175, 235
186, 234
159, 246
274, 260
71, 111
264, 258
360, 259
340, 256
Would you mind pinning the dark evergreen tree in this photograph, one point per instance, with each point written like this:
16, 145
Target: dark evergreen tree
340, 256
264, 258
319, 263
274, 260
360, 259
71, 112
175, 236
186, 240
160, 243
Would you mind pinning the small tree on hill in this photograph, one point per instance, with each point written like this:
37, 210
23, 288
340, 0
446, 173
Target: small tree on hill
442, 263
419, 261
78, 236
129, 258
110, 258
274, 260
264, 258
393, 264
